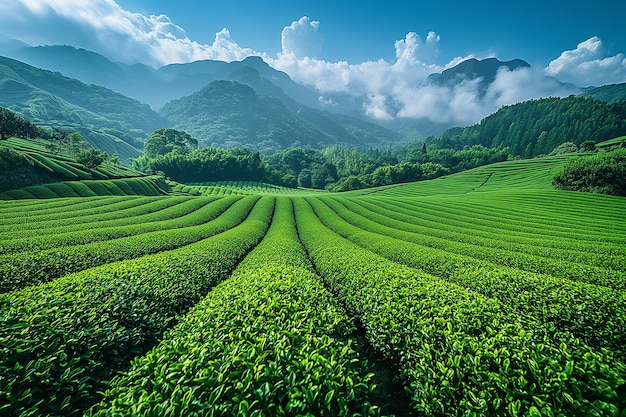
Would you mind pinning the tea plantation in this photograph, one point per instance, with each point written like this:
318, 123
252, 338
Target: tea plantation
481, 293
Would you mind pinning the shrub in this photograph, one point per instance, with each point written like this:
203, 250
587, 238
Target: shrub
604, 173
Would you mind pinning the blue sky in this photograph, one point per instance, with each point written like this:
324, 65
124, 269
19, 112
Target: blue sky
379, 51
357, 31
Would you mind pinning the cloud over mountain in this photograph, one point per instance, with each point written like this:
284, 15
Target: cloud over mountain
104, 27
589, 64
302, 39
387, 89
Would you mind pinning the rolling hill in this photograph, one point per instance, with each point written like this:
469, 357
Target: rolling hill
107, 120
37, 168
609, 93
230, 114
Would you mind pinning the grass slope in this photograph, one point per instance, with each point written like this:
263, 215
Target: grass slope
45, 174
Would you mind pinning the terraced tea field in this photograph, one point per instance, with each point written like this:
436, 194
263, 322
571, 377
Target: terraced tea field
481, 293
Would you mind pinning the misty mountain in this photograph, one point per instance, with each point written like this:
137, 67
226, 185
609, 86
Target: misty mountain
471, 69
231, 114
108, 120
158, 86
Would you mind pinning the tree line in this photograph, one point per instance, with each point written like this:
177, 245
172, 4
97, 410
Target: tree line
535, 127
336, 168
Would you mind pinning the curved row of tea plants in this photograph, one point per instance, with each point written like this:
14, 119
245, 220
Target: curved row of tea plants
109, 209
494, 214
592, 253
28, 268
88, 188
270, 340
61, 339
459, 351
593, 313
179, 215
556, 267
27, 208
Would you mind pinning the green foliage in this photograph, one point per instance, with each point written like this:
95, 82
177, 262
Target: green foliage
13, 125
91, 158
286, 351
497, 270
89, 325
26, 268
536, 127
460, 352
163, 141
602, 173
564, 148
206, 164
587, 146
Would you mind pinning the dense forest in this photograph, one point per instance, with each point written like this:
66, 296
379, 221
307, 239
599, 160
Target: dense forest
536, 127
335, 168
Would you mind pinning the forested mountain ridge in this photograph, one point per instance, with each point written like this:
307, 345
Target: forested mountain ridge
106, 119
609, 93
536, 127
156, 86
231, 114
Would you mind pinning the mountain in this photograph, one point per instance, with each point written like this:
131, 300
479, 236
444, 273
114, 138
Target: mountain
155, 86
106, 119
536, 127
609, 93
231, 114
471, 69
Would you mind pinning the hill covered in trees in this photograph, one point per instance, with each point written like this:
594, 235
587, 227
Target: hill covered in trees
609, 93
106, 119
536, 127
230, 114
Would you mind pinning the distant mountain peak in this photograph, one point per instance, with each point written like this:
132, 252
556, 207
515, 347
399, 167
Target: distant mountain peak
473, 68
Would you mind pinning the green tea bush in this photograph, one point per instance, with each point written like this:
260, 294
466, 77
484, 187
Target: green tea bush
60, 340
462, 353
270, 340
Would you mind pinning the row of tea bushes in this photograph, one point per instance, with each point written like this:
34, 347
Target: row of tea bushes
461, 352
60, 340
29, 268
270, 340
167, 218
594, 313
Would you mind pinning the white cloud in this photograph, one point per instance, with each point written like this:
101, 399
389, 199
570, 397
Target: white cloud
411, 50
415, 60
104, 27
387, 89
588, 65
302, 39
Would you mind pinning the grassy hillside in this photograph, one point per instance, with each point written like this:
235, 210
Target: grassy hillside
485, 292
516, 176
108, 120
30, 169
609, 93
